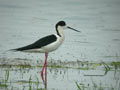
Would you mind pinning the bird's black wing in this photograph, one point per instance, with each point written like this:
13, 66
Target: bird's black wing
38, 44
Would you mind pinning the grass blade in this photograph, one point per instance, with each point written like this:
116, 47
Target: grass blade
78, 86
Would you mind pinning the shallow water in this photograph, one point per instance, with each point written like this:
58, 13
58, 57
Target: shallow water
26, 77
25, 21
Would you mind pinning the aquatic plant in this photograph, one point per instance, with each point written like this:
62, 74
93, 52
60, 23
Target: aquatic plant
37, 82
3, 85
30, 83
107, 68
116, 65
12, 88
6, 76
78, 86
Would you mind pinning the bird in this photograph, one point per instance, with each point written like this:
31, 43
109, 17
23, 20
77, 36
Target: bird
47, 44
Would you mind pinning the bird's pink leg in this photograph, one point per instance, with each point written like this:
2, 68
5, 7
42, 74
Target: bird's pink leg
46, 55
43, 70
46, 71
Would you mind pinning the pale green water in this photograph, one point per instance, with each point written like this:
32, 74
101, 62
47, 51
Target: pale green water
25, 21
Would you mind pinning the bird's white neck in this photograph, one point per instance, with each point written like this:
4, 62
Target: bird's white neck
60, 31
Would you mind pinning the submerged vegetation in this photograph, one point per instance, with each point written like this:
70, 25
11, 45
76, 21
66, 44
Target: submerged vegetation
93, 86
32, 82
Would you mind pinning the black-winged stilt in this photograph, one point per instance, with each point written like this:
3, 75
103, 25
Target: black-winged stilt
47, 44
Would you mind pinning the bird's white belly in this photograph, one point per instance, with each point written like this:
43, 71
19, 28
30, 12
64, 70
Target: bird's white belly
53, 46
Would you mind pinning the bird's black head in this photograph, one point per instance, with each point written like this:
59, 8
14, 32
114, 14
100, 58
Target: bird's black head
60, 23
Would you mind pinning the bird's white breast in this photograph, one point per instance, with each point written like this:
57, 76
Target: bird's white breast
54, 45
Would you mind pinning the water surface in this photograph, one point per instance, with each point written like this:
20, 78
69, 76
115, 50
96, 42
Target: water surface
25, 21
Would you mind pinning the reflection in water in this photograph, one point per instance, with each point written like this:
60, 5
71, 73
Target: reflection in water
26, 77
26, 20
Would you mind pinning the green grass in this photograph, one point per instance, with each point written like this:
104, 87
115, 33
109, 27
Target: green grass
3, 85
6, 76
30, 83
92, 86
107, 68
78, 86
5, 81
85, 65
116, 65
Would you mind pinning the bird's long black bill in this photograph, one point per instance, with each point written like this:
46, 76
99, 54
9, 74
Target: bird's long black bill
73, 29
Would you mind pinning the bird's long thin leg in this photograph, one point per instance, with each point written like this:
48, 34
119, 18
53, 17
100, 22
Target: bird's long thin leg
43, 70
44, 66
46, 55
